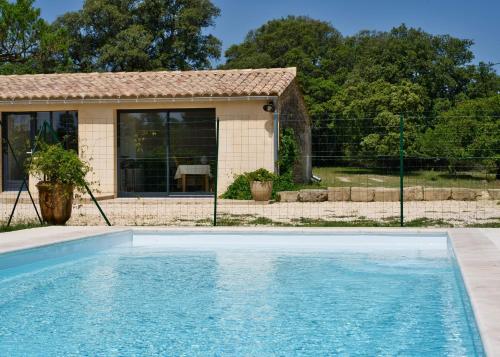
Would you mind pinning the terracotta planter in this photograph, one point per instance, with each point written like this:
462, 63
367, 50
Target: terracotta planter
261, 191
56, 201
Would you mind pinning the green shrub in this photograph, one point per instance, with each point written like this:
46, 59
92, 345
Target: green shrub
55, 164
283, 183
288, 151
240, 188
261, 175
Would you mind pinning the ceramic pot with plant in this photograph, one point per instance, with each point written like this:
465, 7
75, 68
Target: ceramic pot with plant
61, 172
261, 184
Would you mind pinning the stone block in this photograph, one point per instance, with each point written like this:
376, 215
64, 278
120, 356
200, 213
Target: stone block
437, 194
413, 193
313, 195
362, 194
483, 195
383, 194
287, 196
336, 194
494, 193
464, 194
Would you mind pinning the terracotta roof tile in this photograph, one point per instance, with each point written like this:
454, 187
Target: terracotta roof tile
217, 83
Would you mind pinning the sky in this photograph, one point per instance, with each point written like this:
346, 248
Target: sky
478, 20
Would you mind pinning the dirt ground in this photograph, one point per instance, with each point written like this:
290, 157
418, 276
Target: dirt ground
196, 211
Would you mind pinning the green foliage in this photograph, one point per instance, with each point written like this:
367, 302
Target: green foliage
18, 226
370, 116
261, 175
240, 188
28, 44
55, 164
139, 35
288, 151
303, 42
435, 62
329, 64
283, 183
472, 132
356, 87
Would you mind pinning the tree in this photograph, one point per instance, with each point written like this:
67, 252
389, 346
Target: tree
300, 42
435, 62
28, 44
484, 81
467, 134
328, 62
365, 118
356, 87
135, 35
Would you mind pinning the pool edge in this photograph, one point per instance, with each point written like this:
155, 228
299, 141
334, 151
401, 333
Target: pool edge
11, 242
479, 263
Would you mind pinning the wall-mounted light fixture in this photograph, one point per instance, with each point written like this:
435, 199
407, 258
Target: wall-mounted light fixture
270, 108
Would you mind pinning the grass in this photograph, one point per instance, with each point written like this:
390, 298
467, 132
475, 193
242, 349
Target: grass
352, 176
363, 222
495, 224
18, 226
249, 220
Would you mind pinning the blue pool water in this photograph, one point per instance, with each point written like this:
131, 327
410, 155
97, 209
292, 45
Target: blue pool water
155, 299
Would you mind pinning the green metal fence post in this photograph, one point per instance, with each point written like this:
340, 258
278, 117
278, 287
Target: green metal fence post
216, 170
24, 183
276, 142
401, 169
97, 205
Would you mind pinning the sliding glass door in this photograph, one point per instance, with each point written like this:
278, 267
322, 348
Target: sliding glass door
166, 152
20, 130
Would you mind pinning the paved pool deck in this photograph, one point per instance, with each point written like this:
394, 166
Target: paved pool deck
188, 212
478, 255
477, 251
39, 237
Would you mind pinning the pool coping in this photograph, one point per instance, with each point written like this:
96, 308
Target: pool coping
45, 236
478, 258
477, 252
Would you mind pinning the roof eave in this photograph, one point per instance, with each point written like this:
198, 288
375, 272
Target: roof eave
148, 100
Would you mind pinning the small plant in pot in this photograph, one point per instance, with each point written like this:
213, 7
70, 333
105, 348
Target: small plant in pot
61, 172
261, 184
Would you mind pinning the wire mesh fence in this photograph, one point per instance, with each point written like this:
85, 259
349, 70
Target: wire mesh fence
195, 170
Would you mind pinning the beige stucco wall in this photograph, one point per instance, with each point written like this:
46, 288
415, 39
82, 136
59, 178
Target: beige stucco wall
246, 136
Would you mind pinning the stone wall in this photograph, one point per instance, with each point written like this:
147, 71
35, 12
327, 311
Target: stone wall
382, 194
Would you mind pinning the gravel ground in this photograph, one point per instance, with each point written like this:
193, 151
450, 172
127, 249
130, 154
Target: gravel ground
190, 212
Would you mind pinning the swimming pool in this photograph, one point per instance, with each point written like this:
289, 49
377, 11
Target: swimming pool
237, 294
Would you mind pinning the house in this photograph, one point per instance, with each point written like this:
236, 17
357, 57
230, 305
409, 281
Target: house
154, 133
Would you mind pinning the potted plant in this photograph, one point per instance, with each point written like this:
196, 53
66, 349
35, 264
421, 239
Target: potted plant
61, 172
261, 184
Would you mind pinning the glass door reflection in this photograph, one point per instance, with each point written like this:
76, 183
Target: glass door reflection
17, 129
166, 152
192, 152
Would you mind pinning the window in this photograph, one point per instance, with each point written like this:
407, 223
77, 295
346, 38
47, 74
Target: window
20, 129
166, 152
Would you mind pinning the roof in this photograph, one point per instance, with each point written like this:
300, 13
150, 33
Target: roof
188, 84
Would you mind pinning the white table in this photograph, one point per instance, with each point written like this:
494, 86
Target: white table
197, 170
